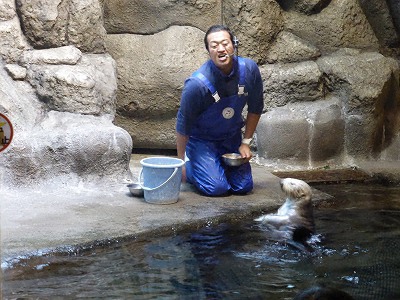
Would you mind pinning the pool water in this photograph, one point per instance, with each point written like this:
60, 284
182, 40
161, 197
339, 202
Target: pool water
356, 250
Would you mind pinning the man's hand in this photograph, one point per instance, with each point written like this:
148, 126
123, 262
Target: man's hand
245, 152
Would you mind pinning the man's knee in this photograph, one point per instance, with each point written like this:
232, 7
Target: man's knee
241, 180
243, 188
214, 188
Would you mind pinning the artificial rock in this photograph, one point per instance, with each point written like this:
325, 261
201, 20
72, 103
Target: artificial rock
326, 63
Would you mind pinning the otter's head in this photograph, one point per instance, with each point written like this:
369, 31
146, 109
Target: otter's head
296, 189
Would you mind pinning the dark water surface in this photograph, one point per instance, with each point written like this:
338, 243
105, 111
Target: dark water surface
356, 250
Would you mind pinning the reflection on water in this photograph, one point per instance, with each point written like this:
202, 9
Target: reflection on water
356, 250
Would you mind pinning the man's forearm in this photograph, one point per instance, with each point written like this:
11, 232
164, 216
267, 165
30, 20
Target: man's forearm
181, 141
251, 125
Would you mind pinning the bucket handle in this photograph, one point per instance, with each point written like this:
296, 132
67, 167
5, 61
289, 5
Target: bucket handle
161, 185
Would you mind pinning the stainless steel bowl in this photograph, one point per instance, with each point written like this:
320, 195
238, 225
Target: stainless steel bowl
135, 189
233, 159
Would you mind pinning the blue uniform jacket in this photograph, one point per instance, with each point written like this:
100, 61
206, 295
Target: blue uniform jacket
196, 97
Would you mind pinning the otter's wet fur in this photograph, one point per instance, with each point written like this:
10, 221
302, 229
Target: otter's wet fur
294, 220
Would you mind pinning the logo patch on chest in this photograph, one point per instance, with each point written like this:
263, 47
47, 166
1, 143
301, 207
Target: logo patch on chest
228, 112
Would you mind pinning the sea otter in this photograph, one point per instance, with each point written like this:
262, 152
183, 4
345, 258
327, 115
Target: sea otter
294, 220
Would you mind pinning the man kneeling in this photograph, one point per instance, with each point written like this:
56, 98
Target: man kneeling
209, 119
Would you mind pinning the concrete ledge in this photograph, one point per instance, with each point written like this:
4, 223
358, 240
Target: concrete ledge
35, 222
71, 219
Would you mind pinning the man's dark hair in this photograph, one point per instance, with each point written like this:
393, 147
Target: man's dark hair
216, 28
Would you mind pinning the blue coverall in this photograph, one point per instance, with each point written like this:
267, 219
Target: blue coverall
217, 130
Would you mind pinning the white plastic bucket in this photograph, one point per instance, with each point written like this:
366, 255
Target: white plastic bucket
160, 179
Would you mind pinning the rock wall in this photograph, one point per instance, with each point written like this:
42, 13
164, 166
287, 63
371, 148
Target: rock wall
150, 82
58, 88
327, 65
71, 69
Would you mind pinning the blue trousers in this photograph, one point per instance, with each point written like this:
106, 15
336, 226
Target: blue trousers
208, 173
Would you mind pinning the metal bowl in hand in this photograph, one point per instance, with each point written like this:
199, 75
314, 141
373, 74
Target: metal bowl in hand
233, 159
135, 189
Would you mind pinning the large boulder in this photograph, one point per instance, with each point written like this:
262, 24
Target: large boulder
391, 152
67, 80
380, 18
394, 8
307, 133
19, 102
364, 117
51, 96
341, 24
152, 16
289, 83
255, 23
150, 82
368, 85
12, 39
307, 7
7, 10
66, 150
287, 48
58, 149
51, 24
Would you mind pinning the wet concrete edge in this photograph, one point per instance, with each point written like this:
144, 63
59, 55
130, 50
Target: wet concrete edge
93, 219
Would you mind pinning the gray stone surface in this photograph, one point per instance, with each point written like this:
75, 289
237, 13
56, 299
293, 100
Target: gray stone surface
378, 15
64, 55
288, 48
87, 87
153, 16
327, 131
65, 149
298, 131
283, 134
51, 24
39, 222
307, 6
19, 102
12, 40
45, 94
370, 103
290, 83
341, 24
394, 8
7, 10
255, 23
53, 148
360, 77
149, 88
15, 71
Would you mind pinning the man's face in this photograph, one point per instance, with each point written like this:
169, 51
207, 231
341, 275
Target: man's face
221, 50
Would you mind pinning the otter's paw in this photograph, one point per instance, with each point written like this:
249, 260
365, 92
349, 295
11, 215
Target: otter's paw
263, 219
